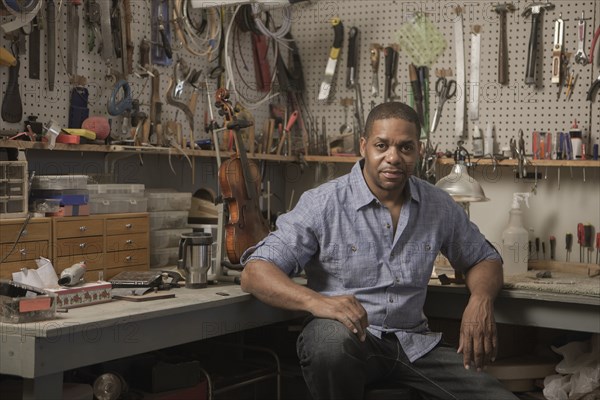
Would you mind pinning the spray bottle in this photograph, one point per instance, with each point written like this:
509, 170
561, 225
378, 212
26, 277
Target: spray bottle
515, 238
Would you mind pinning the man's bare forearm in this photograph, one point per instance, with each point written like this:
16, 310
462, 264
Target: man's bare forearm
485, 279
270, 285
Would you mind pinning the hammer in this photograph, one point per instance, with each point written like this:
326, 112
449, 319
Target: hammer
534, 9
501, 10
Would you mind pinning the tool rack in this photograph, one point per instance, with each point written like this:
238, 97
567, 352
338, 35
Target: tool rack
510, 108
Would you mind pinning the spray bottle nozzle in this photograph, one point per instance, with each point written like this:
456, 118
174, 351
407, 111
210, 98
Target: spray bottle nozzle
517, 197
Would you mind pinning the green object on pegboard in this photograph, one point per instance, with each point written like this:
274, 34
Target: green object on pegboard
421, 40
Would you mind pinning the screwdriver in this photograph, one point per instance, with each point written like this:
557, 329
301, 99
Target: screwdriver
588, 234
553, 248
598, 248
537, 248
569, 244
580, 234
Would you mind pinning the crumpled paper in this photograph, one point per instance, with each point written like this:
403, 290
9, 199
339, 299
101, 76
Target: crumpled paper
578, 372
42, 277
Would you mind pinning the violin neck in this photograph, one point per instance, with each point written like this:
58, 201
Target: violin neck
241, 149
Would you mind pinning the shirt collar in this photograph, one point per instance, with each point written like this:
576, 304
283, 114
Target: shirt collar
363, 195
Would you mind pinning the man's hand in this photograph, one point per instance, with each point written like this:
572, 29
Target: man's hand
345, 309
478, 341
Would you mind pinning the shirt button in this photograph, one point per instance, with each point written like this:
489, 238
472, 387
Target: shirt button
353, 248
387, 226
397, 280
391, 299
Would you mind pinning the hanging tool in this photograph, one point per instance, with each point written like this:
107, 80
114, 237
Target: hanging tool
73, 36
552, 248
345, 127
568, 245
473, 107
161, 45
334, 53
51, 43
461, 76
416, 91
593, 89
92, 18
128, 56
445, 89
580, 57
391, 65
502, 10
6, 58
12, 109
117, 107
34, 48
535, 9
374, 51
352, 83
594, 41
557, 49
286, 136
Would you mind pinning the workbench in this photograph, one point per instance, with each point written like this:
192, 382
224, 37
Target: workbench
40, 352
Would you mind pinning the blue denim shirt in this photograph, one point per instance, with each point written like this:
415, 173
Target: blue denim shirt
342, 237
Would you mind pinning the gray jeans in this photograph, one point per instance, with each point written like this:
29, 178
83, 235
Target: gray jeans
336, 365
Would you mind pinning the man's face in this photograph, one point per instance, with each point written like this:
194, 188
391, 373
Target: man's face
390, 152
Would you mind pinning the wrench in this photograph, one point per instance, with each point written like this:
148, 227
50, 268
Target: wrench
580, 57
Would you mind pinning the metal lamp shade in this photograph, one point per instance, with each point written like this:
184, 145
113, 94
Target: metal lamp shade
461, 186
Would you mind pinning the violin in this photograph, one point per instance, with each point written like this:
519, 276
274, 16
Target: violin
239, 180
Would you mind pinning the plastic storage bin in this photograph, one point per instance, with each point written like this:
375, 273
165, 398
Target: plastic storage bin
13, 189
133, 190
59, 182
168, 220
167, 200
101, 205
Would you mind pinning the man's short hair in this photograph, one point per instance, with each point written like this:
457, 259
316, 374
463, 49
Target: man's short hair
389, 110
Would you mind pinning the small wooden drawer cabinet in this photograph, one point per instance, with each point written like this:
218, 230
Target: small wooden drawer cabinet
109, 243
35, 242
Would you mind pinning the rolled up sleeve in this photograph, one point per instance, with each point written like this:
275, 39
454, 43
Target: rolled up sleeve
294, 241
467, 246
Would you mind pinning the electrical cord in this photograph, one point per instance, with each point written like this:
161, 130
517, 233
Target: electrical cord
279, 34
230, 81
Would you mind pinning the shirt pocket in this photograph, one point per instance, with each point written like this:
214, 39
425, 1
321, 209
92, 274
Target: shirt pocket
360, 268
330, 259
419, 258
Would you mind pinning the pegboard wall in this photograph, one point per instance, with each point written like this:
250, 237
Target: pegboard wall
38, 100
510, 107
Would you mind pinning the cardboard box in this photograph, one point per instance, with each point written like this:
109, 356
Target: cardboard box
71, 211
82, 295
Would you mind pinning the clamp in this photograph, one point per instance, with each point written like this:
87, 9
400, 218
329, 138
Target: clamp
125, 104
580, 57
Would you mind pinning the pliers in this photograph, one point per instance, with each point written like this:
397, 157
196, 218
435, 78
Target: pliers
593, 89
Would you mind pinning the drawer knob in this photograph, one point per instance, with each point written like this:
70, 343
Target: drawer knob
129, 241
82, 245
23, 252
129, 258
24, 232
128, 226
83, 228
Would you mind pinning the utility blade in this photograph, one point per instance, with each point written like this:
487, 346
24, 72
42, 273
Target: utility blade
334, 53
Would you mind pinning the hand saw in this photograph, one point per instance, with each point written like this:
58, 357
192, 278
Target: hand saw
334, 53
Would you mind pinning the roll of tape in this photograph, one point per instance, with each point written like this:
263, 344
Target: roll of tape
23, 11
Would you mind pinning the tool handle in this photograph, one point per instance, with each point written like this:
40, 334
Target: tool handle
552, 248
12, 109
338, 34
503, 52
352, 61
569, 241
51, 15
532, 52
145, 53
166, 43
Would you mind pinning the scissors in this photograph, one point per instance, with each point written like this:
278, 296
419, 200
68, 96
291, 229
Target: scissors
445, 89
